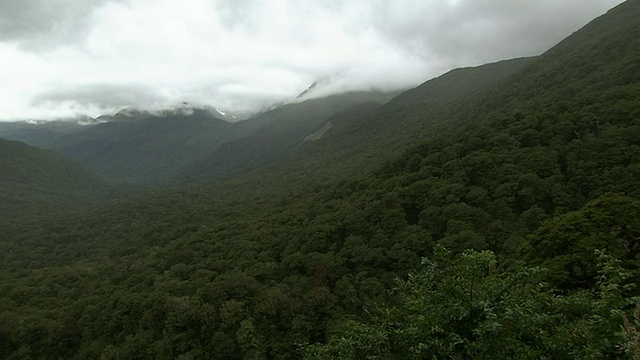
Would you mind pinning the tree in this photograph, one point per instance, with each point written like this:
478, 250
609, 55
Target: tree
465, 308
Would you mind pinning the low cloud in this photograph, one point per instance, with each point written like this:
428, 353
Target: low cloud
46, 24
100, 96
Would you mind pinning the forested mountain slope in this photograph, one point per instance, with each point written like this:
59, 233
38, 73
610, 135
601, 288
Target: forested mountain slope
528, 180
34, 180
359, 139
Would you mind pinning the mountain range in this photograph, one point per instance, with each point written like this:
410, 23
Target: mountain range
188, 143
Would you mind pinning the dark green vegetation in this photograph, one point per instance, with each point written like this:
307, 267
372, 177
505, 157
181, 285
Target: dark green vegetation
37, 181
530, 183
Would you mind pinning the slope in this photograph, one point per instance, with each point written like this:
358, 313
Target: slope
32, 180
359, 139
542, 149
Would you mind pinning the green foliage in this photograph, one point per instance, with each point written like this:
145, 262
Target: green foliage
565, 245
464, 307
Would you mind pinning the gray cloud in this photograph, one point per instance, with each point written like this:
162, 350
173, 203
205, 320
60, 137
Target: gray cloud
475, 31
45, 24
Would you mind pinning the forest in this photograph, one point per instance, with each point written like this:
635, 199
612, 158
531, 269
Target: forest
498, 222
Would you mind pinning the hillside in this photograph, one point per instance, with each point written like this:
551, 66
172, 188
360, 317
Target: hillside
34, 180
511, 231
599, 57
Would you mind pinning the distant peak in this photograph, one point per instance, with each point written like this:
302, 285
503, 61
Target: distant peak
319, 84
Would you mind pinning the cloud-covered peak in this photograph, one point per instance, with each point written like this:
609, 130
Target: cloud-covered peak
59, 58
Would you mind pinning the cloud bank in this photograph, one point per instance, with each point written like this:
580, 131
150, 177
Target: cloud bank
61, 58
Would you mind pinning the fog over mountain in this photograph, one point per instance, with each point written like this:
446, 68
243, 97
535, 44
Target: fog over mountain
61, 58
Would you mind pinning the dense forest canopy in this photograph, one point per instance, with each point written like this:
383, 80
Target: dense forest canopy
512, 230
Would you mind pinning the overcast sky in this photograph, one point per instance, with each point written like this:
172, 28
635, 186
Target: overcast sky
63, 58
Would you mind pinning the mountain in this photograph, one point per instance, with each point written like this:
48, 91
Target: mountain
509, 229
320, 86
140, 147
587, 61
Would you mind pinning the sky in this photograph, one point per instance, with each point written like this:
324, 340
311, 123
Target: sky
71, 58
